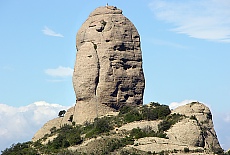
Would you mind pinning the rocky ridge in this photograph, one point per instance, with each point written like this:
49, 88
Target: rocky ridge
193, 133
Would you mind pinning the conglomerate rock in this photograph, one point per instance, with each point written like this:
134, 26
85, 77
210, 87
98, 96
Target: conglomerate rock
195, 132
200, 118
108, 70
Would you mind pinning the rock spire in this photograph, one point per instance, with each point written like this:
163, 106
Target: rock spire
108, 70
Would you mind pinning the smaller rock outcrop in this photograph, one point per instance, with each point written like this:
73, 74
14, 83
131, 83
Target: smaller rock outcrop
197, 129
195, 132
54, 123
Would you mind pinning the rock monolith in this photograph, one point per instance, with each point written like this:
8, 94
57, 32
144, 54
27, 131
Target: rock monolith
108, 70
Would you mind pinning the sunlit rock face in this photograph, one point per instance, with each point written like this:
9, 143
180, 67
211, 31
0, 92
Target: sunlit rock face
108, 70
197, 129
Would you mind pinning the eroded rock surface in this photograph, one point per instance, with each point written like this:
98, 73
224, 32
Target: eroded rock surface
200, 117
195, 132
108, 71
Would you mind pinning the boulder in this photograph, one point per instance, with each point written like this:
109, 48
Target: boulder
205, 135
195, 132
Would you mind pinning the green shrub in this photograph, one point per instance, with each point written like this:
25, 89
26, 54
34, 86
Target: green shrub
132, 116
125, 109
169, 121
186, 150
163, 111
20, 148
162, 153
164, 125
137, 133
67, 136
161, 135
149, 113
100, 125
155, 112
112, 144
53, 129
193, 117
128, 140
140, 133
154, 104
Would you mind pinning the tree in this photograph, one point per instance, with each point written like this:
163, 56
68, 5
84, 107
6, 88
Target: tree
61, 113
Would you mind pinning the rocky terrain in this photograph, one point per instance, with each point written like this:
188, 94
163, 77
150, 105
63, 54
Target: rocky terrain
109, 116
139, 130
186, 129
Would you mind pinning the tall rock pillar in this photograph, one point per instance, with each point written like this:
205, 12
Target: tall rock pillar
108, 70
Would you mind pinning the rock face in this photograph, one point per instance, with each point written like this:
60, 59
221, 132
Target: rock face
54, 123
195, 131
108, 70
198, 129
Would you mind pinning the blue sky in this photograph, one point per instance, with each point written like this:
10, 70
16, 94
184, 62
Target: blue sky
185, 48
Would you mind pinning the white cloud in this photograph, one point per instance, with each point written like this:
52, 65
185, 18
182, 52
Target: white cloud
174, 105
203, 19
47, 31
19, 124
60, 72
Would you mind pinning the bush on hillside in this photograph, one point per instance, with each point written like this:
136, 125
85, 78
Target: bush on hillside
153, 112
140, 133
169, 121
133, 115
20, 148
67, 136
100, 125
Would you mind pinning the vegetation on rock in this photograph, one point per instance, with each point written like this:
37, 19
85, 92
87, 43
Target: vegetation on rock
59, 140
71, 135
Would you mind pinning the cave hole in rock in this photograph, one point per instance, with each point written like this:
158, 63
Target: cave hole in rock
126, 97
